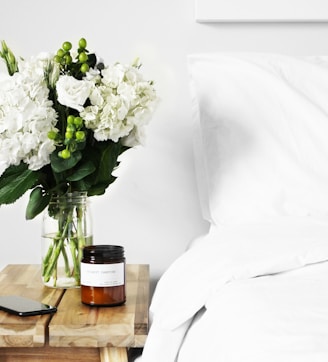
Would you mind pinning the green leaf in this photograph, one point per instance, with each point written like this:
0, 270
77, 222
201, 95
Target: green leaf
104, 155
82, 171
82, 185
15, 181
108, 161
100, 188
14, 170
37, 203
59, 164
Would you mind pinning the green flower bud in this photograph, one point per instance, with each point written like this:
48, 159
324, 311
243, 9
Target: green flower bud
83, 57
68, 59
57, 59
70, 127
80, 136
78, 121
5, 48
65, 154
9, 58
67, 46
52, 135
84, 68
82, 43
69, 135
60, 53
70, 119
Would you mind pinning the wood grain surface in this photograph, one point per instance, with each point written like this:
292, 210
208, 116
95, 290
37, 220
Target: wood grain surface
83, 333
79, 325
25, 281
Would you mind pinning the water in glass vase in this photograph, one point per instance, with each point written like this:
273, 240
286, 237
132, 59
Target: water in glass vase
65, 272
66, 230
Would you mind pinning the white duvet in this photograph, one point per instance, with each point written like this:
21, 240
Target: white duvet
239, 294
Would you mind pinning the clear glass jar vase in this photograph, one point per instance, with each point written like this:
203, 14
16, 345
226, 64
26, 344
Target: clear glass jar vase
66, 229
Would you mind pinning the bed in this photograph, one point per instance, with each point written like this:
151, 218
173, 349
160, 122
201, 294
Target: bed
255, 287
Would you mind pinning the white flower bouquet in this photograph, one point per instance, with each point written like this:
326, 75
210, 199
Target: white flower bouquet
65, 118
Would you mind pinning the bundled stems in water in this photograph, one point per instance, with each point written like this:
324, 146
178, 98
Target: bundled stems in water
68, 242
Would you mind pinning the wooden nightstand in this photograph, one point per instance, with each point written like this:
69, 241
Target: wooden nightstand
75, 332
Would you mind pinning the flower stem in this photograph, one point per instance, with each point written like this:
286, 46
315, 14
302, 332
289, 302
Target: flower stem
69, 214
56, 252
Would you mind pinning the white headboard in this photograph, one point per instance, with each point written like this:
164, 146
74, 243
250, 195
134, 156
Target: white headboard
261, 10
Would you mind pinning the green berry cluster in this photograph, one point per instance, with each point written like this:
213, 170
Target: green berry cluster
64, 57
74, 135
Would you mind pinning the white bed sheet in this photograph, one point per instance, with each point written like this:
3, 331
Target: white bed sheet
279, 318
262, 293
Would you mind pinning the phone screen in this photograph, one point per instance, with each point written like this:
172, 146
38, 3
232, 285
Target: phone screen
23, 306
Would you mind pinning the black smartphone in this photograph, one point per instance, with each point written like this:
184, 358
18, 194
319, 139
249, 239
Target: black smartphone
24, 306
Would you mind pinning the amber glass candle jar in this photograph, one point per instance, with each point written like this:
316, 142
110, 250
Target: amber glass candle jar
103, 275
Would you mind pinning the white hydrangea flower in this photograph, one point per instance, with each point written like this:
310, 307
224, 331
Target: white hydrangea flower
96, 97
26, 116
93, 75
121, 103
113, 75
135, 137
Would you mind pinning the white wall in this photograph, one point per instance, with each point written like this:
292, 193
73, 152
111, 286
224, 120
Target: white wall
152, 209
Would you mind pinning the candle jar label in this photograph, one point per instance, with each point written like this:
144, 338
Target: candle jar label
102, 275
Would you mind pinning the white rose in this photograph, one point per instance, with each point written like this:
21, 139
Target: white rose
73, 92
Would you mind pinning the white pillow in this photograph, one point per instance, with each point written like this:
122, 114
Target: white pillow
262, 140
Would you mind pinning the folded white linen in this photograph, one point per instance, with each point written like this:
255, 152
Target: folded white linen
277, 318
224, 256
